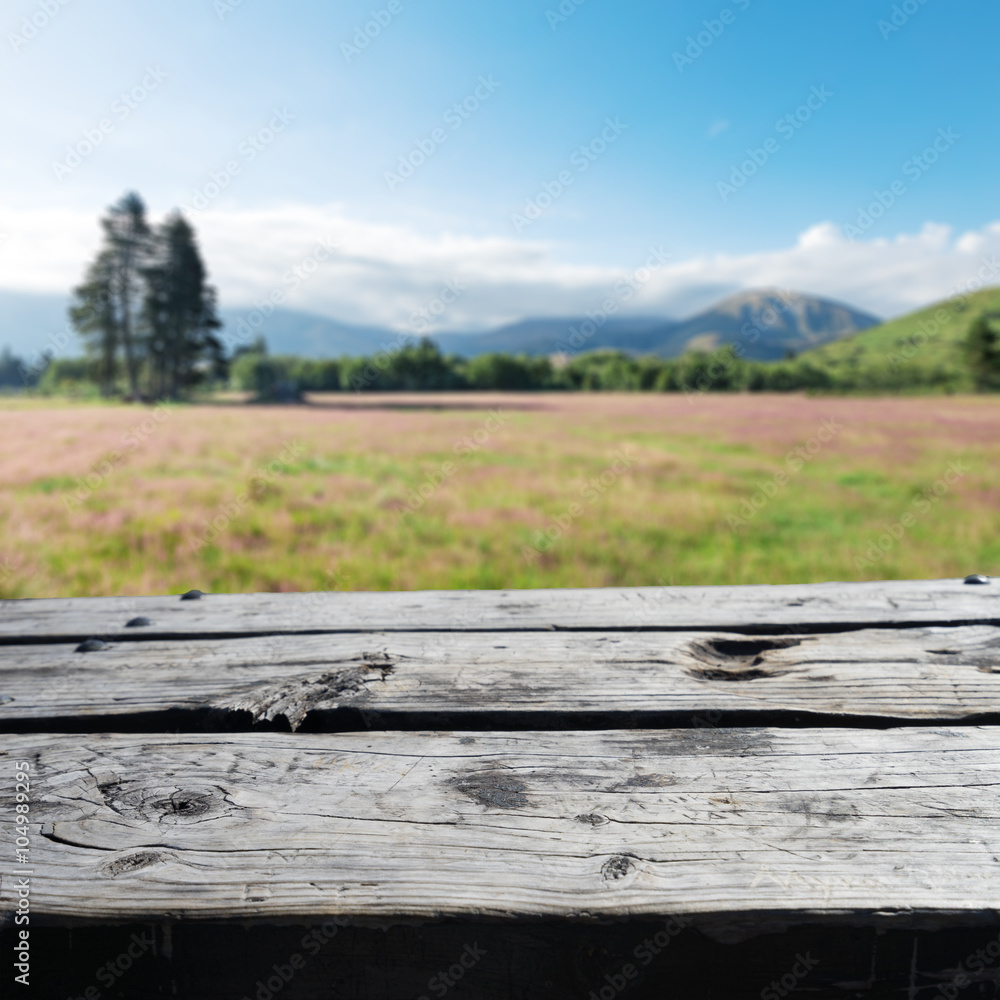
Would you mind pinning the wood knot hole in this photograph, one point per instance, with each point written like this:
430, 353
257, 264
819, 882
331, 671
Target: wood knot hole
723, 659
617, 867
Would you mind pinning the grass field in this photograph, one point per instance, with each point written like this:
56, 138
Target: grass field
412, 492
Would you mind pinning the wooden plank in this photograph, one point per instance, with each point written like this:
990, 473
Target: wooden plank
749, 608
694, 677
739, 824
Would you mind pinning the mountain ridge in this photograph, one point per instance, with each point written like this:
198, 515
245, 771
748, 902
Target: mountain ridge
769, 324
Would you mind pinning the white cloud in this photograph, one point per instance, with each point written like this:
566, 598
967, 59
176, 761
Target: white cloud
884, 276
382, 273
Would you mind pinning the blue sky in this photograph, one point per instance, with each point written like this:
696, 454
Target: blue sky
332, 119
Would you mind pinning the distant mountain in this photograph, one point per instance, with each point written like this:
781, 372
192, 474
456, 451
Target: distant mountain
31, 324
290, 331
767, 323
550, 336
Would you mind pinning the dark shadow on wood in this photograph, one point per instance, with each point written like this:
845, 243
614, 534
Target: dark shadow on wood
637, 960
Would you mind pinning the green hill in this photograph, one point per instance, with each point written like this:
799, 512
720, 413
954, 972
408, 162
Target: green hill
918, 351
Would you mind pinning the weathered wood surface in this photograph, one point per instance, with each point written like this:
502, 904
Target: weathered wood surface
553, 755
756, 608
742, 825
695, 677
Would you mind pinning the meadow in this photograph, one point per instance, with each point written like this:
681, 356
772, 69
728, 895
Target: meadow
391, 491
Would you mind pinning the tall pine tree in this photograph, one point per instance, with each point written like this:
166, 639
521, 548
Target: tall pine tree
93, 315
128, 244
179, 312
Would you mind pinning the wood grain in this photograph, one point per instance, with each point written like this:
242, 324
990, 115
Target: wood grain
736, 824
756, 608
696, 677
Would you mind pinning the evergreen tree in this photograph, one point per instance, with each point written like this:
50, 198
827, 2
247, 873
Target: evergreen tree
128, 245
146, 295
982, 351
11, 368
179, 312
93, 315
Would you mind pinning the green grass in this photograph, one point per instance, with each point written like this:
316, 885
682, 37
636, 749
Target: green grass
334, 515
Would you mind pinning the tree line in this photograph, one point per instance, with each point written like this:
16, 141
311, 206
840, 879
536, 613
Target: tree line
421, 366
418, 366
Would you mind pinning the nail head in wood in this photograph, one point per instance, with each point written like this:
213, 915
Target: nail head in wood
138, 622
192, 595
977, 578
92, 646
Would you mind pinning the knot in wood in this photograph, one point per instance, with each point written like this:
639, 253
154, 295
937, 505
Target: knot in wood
617, 867
185, 804
129, 864
166, 805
